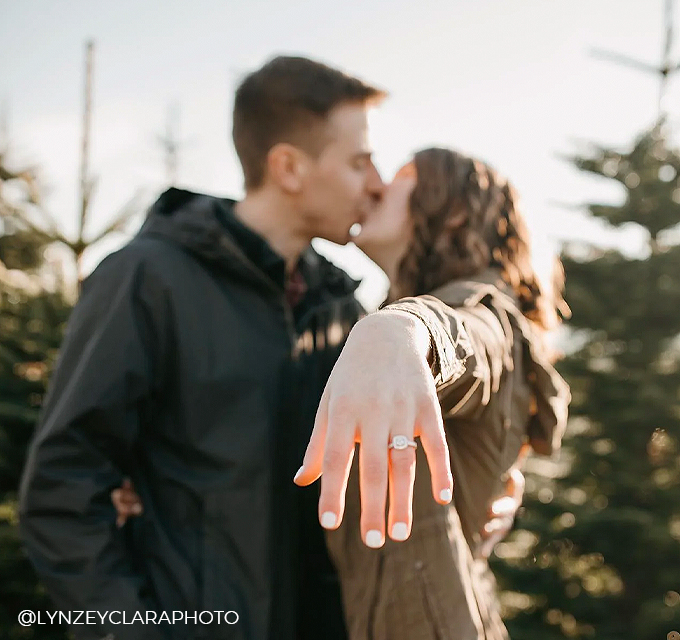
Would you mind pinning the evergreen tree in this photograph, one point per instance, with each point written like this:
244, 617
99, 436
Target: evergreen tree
597, 551
32, 321
31, 325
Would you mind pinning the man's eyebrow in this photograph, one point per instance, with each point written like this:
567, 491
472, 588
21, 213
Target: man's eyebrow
363, 154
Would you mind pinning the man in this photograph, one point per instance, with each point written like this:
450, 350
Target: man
194, 364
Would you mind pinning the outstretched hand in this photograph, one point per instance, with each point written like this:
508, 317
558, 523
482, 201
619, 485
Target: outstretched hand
380, 387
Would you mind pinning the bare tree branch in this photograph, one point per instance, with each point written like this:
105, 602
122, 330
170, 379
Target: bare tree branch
118, 224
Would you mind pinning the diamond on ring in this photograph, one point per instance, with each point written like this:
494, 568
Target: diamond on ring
401, 442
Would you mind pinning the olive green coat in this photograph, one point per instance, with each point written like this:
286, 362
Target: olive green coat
435, 586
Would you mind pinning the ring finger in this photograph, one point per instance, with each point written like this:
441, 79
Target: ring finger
402, 474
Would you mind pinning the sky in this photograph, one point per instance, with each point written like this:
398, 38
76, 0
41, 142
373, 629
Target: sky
512, 82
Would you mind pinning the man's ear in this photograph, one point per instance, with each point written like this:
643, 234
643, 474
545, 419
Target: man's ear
287, 166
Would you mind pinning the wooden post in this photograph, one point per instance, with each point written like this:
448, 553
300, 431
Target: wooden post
85, 183
170, 144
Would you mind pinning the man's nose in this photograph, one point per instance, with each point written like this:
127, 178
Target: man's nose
374, 183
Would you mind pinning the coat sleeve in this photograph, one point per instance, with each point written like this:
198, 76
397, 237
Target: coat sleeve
452, 353
472, 346
84, 444
475, 340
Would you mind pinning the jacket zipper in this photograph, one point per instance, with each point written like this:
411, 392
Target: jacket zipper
287, 311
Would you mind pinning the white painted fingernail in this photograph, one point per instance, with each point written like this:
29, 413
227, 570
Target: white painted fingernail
374, 539
298, 473
445, 495
328, 519
399, 531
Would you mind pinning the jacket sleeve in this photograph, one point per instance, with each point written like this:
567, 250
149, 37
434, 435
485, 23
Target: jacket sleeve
83, 446
490, 342
471, 345
449, 341
475, 339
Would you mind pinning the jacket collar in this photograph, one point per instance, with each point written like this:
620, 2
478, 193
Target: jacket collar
206, 226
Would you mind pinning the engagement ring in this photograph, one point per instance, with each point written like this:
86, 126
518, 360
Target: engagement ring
401, 442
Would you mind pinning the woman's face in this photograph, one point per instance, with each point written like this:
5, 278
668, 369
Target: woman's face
387, 232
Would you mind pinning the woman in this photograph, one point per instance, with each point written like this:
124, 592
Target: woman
449, 232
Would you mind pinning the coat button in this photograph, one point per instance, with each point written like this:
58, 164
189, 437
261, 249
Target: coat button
419, 564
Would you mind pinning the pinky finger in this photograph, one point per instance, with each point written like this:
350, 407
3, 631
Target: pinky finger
433, 439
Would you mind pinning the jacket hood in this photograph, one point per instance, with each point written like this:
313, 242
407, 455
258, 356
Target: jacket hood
197, 223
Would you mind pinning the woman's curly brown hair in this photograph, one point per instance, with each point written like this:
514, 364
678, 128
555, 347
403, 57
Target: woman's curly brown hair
465, 220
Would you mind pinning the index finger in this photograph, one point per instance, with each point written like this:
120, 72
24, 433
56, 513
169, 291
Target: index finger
337, 461
312, 465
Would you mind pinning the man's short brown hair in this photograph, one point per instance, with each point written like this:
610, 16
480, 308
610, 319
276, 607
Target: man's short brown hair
285, 101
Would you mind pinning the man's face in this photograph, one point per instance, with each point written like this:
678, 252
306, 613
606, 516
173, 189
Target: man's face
341, 186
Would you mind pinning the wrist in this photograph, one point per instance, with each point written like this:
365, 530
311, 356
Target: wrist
414, 329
